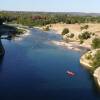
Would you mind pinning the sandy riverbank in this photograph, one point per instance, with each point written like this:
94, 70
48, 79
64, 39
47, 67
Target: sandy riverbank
72, 45
74, 28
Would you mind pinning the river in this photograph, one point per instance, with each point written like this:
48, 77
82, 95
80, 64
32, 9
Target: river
35, 69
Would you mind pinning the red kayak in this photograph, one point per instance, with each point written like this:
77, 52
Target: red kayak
70, 73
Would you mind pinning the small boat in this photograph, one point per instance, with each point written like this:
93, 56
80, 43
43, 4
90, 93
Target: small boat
70, 73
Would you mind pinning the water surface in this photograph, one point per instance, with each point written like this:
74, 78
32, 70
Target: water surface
35, 69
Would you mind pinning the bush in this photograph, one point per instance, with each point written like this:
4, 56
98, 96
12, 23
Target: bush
1, 22
46, 28
92, 34
65, 38
65, 31
85, 35
71, 35
96, 43
81, 41
88, 56
96, 60
84, 27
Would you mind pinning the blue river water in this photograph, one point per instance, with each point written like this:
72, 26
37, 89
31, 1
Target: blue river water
35, 69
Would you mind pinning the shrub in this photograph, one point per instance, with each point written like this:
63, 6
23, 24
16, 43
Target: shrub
71, 35
88, 56
95, 43
65, 31
92, 34
81, 41
85, 35
96, 60
46, 28
84, 27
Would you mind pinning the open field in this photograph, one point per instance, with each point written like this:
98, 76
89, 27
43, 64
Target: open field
75, 28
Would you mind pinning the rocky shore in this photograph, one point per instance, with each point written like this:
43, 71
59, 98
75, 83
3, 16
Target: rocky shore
86, 63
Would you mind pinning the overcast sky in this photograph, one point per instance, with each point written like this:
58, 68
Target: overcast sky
51, 5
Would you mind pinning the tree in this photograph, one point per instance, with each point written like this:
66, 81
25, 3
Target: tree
46, 28
84, 35
96, 60
65, 31
81, 41
96, 43
1, 21
84, 27
71, 35
88, 56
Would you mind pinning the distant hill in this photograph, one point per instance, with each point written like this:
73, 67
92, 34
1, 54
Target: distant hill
83, 14
68, 13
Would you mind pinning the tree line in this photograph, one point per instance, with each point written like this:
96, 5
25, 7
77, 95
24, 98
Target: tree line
41, 19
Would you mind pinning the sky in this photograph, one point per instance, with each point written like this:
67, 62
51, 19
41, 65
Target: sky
91, 6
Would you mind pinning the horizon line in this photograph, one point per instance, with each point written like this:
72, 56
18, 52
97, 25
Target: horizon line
49, 11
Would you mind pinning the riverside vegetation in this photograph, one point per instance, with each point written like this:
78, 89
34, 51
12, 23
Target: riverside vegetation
42, 19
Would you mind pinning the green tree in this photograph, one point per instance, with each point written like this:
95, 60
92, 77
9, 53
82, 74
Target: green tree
81, 41
84, 27
96, 43
88, 56
2, 19
71, 35
96, 60
84, 35
46, 28
65, 31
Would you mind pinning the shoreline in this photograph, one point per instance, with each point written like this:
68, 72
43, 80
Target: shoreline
21, 36
78, 47
73, 46
70, 45
96, 72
